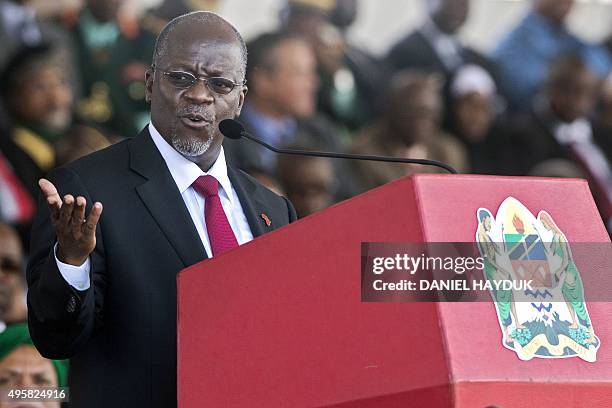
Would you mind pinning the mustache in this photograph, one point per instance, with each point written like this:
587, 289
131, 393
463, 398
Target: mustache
196, 110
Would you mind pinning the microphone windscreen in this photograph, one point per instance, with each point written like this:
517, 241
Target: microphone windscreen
231, 128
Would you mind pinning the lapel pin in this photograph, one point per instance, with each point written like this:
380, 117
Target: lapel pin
266, 219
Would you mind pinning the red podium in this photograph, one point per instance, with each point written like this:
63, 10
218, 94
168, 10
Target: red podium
279, 322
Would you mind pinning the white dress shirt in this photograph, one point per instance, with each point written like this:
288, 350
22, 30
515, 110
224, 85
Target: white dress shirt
184, 173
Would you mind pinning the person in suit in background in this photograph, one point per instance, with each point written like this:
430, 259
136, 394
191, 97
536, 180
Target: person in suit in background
434, 47
39, 101
350, 77
559, 127
102, 285
282, 106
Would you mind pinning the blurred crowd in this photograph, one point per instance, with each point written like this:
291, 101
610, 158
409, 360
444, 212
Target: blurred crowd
72, 83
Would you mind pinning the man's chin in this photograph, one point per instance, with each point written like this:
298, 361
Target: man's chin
192, 146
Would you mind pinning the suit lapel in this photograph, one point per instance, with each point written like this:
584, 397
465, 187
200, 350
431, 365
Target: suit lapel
549, 143
163, 200
429, 47
252, 206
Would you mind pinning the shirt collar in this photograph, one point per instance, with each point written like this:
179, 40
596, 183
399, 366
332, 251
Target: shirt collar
576, 132
185, 172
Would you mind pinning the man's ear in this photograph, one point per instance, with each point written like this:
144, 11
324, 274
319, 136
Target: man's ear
241, 99
149, 84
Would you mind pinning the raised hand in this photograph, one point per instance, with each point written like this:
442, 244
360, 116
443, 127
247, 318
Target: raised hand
76, 235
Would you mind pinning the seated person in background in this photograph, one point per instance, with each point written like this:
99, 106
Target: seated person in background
435, 46
22, 366
350, 77
112, 52
39, 107
13, 307
527, 51
472, 116
38, 100
280, 107
559, 127
409, 128
308, 182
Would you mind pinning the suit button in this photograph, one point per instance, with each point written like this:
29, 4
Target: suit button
71, 305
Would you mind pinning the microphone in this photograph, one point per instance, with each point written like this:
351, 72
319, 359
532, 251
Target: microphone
233, 129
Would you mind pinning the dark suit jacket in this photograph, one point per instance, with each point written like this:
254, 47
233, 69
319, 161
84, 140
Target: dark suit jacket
120, 334
534, 141
414, 51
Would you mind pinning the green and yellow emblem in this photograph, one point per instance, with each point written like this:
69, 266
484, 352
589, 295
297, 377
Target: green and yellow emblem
551, 319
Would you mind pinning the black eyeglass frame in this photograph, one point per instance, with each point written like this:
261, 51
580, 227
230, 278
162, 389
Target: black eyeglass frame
195, 79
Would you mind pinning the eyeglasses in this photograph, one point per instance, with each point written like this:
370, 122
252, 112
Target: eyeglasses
185, 80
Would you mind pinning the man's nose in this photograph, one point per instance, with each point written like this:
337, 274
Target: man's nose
25, 380
199, 93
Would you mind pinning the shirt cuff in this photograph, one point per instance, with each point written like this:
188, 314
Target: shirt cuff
76, 276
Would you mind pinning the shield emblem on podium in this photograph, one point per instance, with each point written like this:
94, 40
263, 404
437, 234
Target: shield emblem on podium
550, 319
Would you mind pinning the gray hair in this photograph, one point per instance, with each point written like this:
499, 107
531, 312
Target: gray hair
204, 17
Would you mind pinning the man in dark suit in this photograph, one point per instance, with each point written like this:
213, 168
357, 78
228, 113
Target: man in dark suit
559, 129
102, 287
434, 47
282, 107
350, 77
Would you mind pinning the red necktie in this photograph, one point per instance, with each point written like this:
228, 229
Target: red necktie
220, 232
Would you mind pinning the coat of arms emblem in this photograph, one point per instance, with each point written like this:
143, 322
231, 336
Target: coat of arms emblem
551, 319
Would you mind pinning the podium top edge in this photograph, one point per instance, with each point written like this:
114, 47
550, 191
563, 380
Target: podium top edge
425, 176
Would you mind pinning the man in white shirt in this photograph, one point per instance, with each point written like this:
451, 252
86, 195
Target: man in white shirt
119, 224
